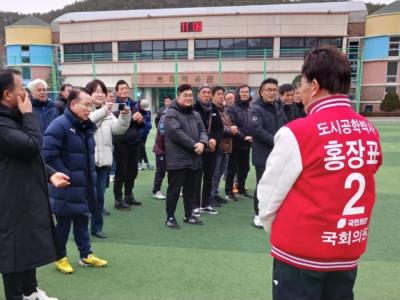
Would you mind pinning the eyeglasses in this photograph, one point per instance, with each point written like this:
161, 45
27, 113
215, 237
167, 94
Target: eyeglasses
269, 90
86, 105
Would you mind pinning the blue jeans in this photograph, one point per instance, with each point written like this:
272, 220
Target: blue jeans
81, 234
220, 167
103, 174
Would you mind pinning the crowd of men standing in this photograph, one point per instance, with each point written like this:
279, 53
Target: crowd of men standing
87, 134
213, 136
66, 151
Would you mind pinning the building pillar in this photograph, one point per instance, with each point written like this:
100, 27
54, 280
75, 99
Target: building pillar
191, 49
277, 47
344, 45
114, 51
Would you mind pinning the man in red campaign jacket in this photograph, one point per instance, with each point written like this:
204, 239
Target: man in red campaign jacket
318, 190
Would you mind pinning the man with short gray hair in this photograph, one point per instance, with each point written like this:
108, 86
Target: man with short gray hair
43, 108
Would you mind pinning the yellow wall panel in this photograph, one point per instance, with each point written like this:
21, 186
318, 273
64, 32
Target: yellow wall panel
28, 35
383, 25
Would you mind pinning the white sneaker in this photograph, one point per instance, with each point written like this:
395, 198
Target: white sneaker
159, 196
257, 222
208, 210
39, 295
196, 212
112, 178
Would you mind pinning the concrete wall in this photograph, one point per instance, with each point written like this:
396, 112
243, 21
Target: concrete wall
213, 27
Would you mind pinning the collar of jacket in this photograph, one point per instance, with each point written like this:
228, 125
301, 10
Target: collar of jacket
128, 102
220, 108
205, 107
37, 103
270, 105
10, 113
240, 103
185, 110
76, 123
327, 102
61, 98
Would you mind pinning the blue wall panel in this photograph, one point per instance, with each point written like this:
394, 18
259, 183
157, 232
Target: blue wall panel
13, 55
376, 48
38, 55
41, 55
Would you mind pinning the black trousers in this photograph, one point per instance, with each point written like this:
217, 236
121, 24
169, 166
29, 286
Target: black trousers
161, 169
289, 283
238, 163
204, 180
142, 151
126, 159
178, 179
16, 285
259, 174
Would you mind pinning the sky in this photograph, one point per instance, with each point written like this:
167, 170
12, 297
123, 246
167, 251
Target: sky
29, 6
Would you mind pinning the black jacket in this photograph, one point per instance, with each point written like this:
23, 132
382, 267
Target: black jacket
301, 110
239, 114
266, 119
61, 104
132, 135
215, 130
291, 111
183, 129
26, 225
159, 115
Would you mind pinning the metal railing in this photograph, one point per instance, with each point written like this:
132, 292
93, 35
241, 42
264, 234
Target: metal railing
219, 56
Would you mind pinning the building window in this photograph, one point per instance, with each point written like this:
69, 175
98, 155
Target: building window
391, 73
297, 46
88, 52
394, 46
149, 50
207, 48
128, 50
26, 73
353, 48
234, 48
25, 55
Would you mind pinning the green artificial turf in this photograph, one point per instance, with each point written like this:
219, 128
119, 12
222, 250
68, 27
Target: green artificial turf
226, 258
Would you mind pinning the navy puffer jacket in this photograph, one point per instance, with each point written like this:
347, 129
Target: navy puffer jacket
45, 112
68, 147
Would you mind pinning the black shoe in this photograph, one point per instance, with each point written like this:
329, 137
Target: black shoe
106, 212
193, 220
100, 235
171, 223
245, 195
130, 200
230, 197
214, 203
120, 204
219, 199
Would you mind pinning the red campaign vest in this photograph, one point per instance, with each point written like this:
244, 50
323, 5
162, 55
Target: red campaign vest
323, 222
